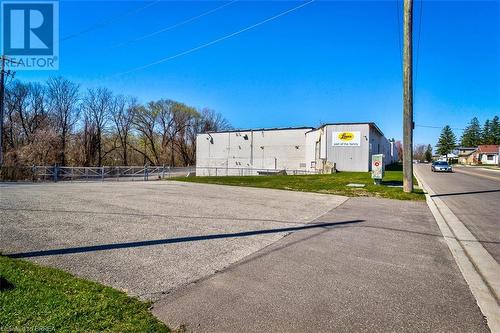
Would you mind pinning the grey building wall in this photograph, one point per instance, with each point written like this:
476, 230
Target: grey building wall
350, 158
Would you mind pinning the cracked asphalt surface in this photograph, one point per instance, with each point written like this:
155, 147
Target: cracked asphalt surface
147, 238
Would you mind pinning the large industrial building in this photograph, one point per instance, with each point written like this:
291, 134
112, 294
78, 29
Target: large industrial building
340, 146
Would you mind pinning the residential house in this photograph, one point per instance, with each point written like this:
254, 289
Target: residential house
486, 154
466, 155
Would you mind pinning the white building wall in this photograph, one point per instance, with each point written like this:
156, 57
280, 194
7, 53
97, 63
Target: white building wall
253, 149
485, 160
315, 150
306, 149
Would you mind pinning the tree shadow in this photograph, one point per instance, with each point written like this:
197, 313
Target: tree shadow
115, 246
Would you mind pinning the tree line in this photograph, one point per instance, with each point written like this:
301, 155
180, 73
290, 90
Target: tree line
55, 122
473, 135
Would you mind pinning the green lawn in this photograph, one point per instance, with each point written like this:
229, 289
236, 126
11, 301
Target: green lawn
46, 299
332, 184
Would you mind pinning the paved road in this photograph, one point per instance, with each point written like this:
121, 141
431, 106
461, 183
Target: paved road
147, 238
391, 271
214, 257
474, 197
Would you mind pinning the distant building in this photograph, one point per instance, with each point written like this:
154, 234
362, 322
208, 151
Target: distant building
447, 157
486, 154
466, 154
343, 146
482, 154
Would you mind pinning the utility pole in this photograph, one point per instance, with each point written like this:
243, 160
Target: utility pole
2, 92
408, 97
3, 74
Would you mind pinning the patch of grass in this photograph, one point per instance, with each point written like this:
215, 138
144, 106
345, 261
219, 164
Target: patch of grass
51, 300
332, 184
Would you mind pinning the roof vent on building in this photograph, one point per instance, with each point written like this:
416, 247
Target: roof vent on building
245, 137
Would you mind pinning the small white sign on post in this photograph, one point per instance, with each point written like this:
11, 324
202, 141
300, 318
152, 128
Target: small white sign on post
346, 139
378, 168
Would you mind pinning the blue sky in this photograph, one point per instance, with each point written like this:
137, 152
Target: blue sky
329, 61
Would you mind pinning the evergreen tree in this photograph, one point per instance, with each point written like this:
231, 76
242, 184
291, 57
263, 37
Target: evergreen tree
428, 153
495, 130
472, 134
447, 141
487, 135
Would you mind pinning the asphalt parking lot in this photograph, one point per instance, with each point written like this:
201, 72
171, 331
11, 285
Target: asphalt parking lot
148, 238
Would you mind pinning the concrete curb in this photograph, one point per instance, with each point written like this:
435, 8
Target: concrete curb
479, 268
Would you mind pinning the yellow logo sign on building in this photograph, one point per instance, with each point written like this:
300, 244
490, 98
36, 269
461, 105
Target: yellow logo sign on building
346, 136
346, 139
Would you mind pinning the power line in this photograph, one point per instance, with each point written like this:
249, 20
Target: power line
439, 127
108, 21
400, 50
418, 48
173, 26
214, 41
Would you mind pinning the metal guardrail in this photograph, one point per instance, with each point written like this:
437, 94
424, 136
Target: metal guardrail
134, 173
225, 171
104, 173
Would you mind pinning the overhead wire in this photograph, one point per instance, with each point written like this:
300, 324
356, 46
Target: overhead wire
439, 127
215, 41
400, 50
173, 26
107, 21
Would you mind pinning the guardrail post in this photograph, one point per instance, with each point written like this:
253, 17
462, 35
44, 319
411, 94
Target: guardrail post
145, 173
163, 171
55, 172
33, 169
102, 174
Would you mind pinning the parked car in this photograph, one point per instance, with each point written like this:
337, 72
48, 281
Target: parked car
441, 166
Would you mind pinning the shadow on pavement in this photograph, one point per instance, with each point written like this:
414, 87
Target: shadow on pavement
115, 246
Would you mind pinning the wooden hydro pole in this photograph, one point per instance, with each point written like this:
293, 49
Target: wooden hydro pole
408, 124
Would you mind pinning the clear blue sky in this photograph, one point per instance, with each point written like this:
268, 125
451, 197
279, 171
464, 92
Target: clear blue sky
330, 61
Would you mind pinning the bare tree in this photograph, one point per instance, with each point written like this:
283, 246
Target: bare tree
63, 104
145, 122
206, 121
123, 116
399, 148
43, 127
15, 101
419, 152
97, 106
